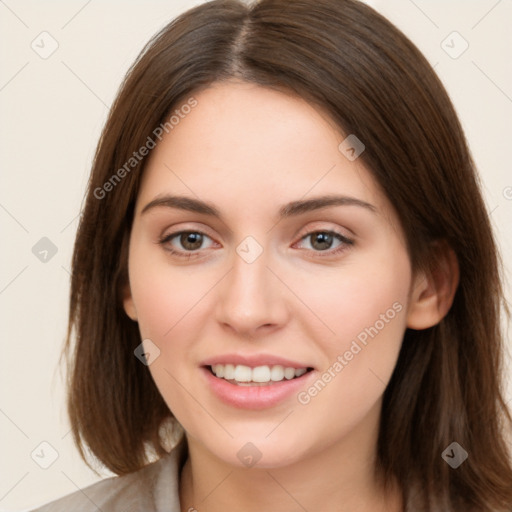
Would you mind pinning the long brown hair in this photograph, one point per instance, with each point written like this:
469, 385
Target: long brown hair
343, 56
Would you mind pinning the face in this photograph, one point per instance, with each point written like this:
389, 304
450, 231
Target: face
265, 275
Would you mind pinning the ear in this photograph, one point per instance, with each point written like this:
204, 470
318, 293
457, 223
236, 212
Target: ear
432, 292
128, 304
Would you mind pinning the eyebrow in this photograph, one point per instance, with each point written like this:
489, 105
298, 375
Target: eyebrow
291, 209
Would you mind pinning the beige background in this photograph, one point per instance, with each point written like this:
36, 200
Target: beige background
52, 111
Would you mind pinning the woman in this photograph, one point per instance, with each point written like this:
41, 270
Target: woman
285, 261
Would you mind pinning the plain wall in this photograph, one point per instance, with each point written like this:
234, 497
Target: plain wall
52, 111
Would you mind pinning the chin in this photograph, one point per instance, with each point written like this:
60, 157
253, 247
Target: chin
254, 452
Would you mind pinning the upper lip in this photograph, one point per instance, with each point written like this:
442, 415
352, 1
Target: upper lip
253, 360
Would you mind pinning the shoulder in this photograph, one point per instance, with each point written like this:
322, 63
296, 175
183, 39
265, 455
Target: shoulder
148, 490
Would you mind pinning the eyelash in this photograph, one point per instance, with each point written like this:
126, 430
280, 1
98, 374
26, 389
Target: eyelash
346, 242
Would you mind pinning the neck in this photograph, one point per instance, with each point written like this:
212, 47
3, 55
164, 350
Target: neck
336, 477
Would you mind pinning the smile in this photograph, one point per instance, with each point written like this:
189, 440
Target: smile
260, 375
253, 395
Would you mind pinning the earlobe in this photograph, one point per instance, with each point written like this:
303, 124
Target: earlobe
128, 304
433, 292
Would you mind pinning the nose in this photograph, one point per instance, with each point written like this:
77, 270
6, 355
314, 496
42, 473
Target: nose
251, 299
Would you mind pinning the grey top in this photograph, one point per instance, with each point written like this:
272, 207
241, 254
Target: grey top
154, 488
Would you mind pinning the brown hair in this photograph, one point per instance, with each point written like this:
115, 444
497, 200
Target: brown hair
343, 56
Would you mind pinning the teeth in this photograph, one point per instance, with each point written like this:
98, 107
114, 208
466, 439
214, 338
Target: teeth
260, 374
242, 373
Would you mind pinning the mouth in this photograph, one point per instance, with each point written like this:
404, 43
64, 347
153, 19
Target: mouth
258, 381
263, 375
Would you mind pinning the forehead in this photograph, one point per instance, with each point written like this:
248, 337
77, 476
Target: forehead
252, 147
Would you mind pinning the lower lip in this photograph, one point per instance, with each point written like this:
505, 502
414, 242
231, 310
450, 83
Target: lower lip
254, 397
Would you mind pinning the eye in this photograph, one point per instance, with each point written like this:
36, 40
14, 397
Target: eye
321, 241
189, 241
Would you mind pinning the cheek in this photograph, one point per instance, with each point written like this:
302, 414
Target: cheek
357, 298
368, 317
168, 301
365, 304
366, 308
164, 294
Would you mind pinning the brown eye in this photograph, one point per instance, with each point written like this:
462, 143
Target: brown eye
184, 243
191, 240
322, 241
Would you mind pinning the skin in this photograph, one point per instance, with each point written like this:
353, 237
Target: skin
249, 150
